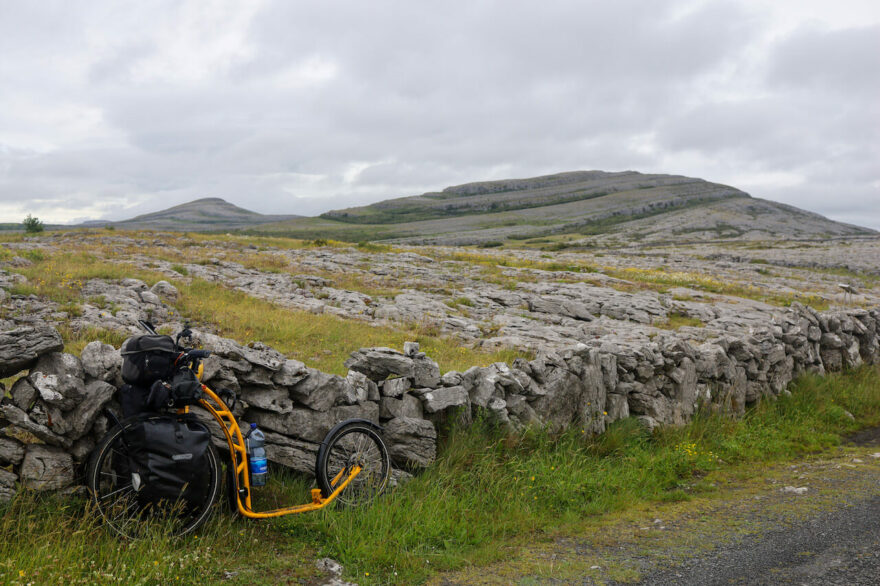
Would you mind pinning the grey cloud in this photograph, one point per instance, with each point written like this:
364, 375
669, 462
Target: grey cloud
276, 113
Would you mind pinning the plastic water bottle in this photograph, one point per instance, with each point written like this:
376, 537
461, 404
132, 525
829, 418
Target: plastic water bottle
255, 442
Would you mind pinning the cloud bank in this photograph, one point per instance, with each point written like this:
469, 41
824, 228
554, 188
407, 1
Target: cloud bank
110, 110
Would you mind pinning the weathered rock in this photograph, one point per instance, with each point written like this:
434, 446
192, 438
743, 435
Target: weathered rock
309, 425
274, 399
257, 376
20, 348
82, 449
480, 384
295, 454
165, 290
497, 410
380, 363
290, 373
255, 353
410, 349
319, 390
79, 420
21, 421
363, 385
102, 361
440, 399
406, 406
411, 442
616, 406
426, 373
46, 468
23, 394
58, 378
7, 485
451, 379
299, 423
395, 387
11, 451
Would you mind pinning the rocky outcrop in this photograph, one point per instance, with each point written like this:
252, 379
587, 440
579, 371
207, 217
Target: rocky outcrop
20, 348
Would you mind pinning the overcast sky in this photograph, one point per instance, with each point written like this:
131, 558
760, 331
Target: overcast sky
110, 109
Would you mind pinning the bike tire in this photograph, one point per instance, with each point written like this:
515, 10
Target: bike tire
349, 443
114, 500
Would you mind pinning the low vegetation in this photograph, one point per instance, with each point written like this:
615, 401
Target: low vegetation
321, 341
490, 493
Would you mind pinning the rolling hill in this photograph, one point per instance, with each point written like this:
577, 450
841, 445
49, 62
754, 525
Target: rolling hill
622, 206
206, 214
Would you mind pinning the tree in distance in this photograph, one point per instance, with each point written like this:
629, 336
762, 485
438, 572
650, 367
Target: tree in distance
32, 225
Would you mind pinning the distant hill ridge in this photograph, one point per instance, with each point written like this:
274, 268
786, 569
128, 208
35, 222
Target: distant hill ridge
589, 206
619, 206
521, 194
206, 214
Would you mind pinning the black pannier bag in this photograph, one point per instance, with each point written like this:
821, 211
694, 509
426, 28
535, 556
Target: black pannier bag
168, 457
146, 359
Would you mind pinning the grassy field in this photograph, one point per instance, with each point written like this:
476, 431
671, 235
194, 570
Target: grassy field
489, 494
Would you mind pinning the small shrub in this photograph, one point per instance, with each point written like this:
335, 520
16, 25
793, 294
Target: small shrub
32, 225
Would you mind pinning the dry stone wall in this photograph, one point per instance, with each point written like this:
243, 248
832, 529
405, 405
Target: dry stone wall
51, 418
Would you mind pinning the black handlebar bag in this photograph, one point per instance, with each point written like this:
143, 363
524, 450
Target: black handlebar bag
168, 457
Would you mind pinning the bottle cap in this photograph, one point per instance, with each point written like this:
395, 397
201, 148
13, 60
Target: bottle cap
253, 426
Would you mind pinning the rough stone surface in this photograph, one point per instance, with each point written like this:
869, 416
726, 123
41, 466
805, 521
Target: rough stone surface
413, 442
444, 398
46, 468
11, 451
319, 391
21, 347
102, 361
58, 378
405, 406
380, 363
395, 387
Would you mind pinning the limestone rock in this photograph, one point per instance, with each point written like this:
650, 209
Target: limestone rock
295, 454
411, 442
319, 390
21, 421
20, 348
440, 399
290, 373
58, 378
380, 363
363, 386
23, 394
165, 290
426, 372
395, 387
11, 452
274, 399
46, 468
7, 485
406, 406
102, 361
79, 421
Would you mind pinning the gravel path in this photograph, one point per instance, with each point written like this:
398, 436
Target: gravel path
842, 547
